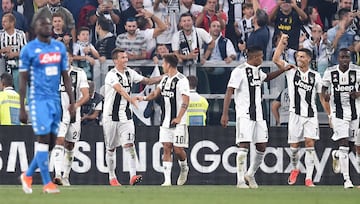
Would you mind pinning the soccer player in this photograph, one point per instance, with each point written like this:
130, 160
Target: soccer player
303, 85
341, 90
175, 91
42, 63
118, 124
245, 82
70, 129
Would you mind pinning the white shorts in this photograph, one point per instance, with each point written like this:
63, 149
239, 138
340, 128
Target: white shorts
71, 131
300, 127
345, 129
117, 134
251, 131
179, 135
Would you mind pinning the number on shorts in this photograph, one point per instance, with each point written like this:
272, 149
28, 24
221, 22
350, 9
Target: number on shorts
180, 139
74, 135
130, 136
352, 133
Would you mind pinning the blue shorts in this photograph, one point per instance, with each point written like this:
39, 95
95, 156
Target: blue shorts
45, 115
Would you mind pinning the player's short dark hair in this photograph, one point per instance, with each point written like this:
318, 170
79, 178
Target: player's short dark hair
115, 52
171, 59
345, 49
193, 81
253, 49
104, 23
81, 29
307, 51
7, 79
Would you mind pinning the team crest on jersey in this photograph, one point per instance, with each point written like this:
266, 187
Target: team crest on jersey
335, 78
249, 73
311, 79
50, 58
73, 78
352, 78
173, 84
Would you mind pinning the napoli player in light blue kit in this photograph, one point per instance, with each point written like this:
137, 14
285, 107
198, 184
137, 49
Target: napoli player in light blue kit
42, 62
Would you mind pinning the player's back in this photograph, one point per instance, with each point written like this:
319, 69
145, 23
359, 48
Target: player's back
44, 63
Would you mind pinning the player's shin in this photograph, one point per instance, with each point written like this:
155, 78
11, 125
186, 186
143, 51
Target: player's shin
259, 156
42, 158
110, 158
309, 162
57, 155
131, 159
241, 158
294, 157
344, 161
68, 160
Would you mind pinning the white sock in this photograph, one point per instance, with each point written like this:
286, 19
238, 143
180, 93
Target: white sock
344, 161
255, 163
110, 158
167, 171
183, 163
309, 161
294, 157
58, 155
68, 160
241, 158
131, 159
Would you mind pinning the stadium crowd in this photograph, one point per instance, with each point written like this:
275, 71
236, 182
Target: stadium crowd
196, 31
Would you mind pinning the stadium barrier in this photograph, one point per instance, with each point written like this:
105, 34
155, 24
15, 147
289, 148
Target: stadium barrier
211, 157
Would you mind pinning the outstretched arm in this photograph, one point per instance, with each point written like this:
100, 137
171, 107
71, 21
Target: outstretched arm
279, 50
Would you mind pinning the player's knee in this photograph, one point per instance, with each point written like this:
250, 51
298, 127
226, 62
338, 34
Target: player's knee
69, 145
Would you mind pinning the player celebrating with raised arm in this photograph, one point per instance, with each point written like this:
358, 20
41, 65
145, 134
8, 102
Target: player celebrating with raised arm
245, 82
42, 63
303, 85
174, 90
341, 90
69, 131
118, 124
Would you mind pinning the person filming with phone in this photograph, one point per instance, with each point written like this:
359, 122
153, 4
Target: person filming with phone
209, 14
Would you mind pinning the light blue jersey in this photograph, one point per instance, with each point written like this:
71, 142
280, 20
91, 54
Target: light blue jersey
44, 63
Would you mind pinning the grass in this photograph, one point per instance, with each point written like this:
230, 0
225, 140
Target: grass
182, 194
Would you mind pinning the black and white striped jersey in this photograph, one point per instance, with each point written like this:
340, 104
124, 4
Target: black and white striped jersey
172, 89
16, 41
246, 80
303, 88
116, 106
78, 81
340, 84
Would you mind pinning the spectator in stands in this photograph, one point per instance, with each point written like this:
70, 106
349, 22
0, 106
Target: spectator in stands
223, 51
342, 35
287, 18
261, 35
131, 12
145, 21
54, 6
320, 47
209, 14
9, 101
84, 52
169, 16
188, 42
326, 12
244, 27
106, 9
161, 50
8, 7
30, 8
58, 30
189, 6
12, 41
198, 105
92, 109
132, 42
280, 108
106, 41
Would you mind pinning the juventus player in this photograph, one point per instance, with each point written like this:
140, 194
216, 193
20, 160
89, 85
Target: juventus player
245, 82
118, 124
303, 84
174, 90
341, 90
69, 129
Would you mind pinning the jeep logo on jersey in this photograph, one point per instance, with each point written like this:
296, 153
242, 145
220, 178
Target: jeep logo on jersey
344, 88
303, 85
50, 58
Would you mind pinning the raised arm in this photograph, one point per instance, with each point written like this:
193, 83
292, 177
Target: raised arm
279, 50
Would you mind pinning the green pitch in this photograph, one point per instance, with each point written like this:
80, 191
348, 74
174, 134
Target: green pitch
182, 194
